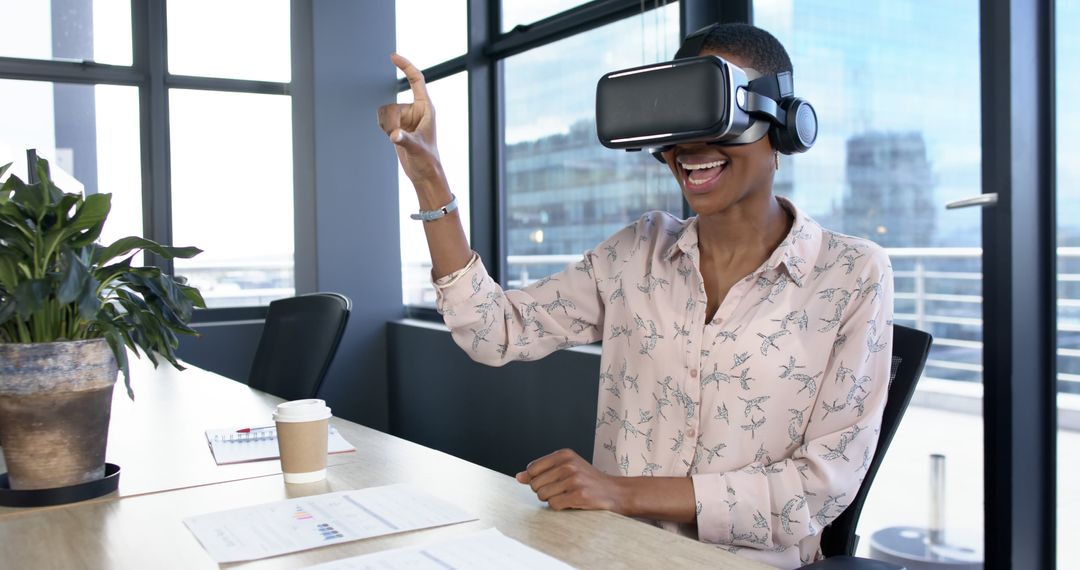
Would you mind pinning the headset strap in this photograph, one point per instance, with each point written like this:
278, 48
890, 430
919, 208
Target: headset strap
693, 43
775, 86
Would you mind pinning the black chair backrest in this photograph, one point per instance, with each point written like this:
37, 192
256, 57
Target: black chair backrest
298, 342
909, 351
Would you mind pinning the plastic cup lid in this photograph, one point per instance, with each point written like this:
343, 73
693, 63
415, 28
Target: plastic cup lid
302, 411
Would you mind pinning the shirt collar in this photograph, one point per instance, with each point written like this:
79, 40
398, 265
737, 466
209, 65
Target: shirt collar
795, 254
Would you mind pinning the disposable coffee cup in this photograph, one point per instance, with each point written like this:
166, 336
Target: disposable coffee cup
302, 427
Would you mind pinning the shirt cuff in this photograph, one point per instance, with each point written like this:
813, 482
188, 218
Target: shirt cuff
448, 280
460, 285
717, 504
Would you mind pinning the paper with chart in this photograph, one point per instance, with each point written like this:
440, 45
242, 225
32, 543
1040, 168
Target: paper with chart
485, 550
299, 524
231, 446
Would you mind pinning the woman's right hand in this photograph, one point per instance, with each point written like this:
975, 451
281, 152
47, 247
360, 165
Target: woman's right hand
411, 127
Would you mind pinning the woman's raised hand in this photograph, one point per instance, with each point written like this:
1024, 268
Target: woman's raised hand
411, 127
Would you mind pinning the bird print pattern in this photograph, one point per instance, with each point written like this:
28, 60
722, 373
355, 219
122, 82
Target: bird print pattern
772, 408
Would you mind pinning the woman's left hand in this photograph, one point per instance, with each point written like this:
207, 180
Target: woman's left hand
566, 481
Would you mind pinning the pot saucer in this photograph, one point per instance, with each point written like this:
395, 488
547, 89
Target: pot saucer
59, 495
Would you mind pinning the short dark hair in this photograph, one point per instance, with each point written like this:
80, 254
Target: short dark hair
759, 48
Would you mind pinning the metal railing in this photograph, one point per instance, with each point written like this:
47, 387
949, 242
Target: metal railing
919, 273
937, 289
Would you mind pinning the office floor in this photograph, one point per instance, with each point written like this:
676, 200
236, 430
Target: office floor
900, 495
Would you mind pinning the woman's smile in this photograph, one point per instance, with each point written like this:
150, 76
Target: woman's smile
701, 171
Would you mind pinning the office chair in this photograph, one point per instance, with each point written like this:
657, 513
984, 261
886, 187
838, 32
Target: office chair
838, 540
298, 342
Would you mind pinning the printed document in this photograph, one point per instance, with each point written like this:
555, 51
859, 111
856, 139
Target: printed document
485, 550
309, 522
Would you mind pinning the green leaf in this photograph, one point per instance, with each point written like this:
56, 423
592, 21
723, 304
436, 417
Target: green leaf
124, 245
4, 169
194, 295
89, 303
116, 342
29, 200
7, 309
12, 184
30, 296
72, 279
89, 220
9, 271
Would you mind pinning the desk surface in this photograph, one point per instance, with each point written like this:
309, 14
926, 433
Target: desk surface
142, 528
158, 439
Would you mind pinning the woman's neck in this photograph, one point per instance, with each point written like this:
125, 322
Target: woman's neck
748, 231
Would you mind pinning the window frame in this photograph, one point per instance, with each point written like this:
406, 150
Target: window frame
149, 73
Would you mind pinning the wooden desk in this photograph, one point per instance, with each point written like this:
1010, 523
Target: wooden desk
158, 440
147, 530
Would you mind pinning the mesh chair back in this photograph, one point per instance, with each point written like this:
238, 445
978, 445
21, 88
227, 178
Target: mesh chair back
298, 343
909, 351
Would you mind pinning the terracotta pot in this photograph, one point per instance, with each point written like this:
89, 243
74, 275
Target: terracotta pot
55, 400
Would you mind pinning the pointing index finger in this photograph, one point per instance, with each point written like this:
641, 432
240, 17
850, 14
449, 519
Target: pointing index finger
416, 79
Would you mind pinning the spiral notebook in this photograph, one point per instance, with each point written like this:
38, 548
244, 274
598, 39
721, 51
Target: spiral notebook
228, 446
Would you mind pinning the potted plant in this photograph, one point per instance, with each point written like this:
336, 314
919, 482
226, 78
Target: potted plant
69, 310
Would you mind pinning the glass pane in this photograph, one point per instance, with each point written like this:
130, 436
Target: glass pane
1068, 209
565, 193
451, 99
516, 12
431, 32
90, 136
238, 39
80, 30
890, 154
232, 194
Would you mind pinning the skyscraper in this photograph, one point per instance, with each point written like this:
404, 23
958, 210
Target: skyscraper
889, 196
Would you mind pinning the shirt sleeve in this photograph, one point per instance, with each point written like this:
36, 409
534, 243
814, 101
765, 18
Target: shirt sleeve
494, 326
776, 505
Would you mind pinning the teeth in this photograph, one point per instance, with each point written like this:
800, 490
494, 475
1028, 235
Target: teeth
705, 165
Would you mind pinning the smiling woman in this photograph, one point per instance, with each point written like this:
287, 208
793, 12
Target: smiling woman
745, 350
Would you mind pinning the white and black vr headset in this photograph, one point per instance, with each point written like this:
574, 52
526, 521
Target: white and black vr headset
700, 99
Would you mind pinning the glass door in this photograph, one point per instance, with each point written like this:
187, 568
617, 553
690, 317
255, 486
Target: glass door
890, 155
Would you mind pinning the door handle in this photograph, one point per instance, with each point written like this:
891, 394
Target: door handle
982, 200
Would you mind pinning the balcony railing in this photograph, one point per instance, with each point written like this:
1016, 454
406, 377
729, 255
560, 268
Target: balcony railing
938, 289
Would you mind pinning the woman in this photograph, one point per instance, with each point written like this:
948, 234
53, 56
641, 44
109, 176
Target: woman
745, 351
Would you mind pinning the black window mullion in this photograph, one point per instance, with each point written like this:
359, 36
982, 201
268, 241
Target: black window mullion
225, 84
438, 71
485, 136
149, 29
68, 71
1019, 312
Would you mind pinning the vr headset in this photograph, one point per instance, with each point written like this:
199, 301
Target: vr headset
700, 99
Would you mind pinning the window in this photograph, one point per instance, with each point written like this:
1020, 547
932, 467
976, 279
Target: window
230, 163
430, 32
891, 153
450, 97
231, 152
239, 39
72, 30
565, 193
90, 136
232, 194
1067, 82
523, 12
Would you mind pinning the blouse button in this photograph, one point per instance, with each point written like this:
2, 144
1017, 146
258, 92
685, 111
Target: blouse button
691, 432
693, 373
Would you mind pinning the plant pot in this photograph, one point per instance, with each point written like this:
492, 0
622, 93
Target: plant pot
55, 402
